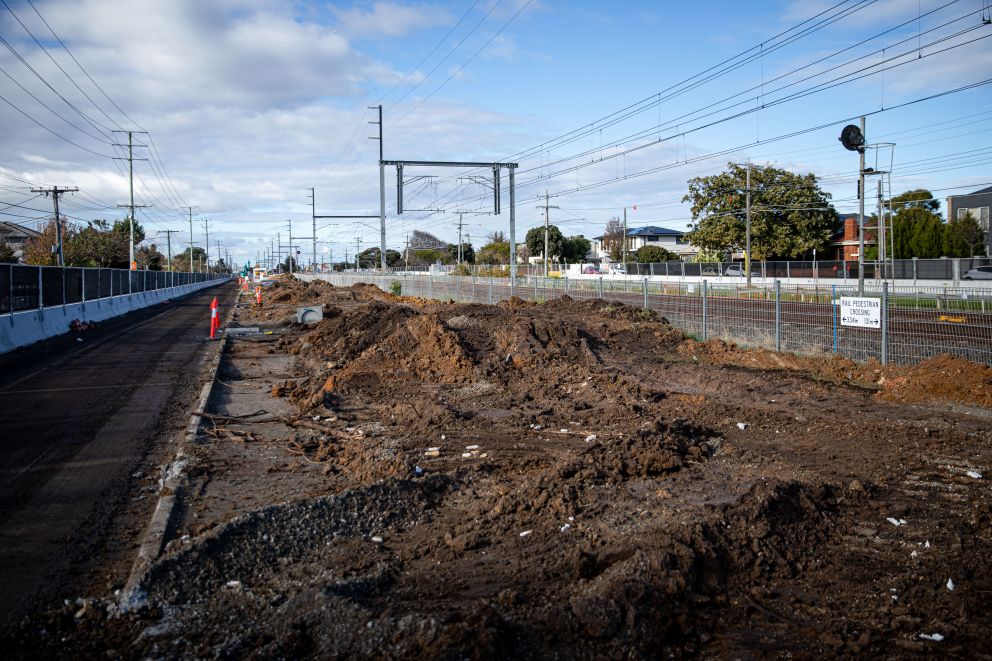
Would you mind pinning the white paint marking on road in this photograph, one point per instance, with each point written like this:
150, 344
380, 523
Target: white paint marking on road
107, 387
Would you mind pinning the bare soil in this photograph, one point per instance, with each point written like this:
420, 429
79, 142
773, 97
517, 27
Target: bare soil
411, 479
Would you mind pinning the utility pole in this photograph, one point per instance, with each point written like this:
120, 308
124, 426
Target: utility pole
291, 260
625, 240
382, 192
861, 214
747, 227
358, 248
406, 253
880, 229
130, 167
313, 216
56, 193
547, 224
206, 242
461, 215
190, 210
168, 243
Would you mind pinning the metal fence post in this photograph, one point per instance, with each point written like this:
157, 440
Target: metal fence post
83, 285
490, 290
703, 291
644, 286
535, 289
833, 312
778, 315
41, 303
566, 285
430, 285
599, 288
473, 287
885, 323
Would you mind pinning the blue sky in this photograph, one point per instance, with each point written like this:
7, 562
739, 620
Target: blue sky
250, 103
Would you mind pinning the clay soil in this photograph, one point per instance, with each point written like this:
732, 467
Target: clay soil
559, 480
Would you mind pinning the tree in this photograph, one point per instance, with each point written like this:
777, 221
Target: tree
42, 250
495, 252
575, 249
654, 254
180, 262
496, 236
7, 254
370, 258
149, 258
613, 239
790, 214
468, 253
425, 241
918, 232
964, 237
918, 198
535, 241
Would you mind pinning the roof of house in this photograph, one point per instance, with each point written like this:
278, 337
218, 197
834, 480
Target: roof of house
649, 230
981, 192
19, 230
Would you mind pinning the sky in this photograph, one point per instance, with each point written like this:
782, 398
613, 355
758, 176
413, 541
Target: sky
240, 107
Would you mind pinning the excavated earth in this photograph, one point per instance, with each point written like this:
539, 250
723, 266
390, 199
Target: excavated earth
573, 479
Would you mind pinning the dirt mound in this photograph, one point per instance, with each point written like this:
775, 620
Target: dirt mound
346, 336
943, 378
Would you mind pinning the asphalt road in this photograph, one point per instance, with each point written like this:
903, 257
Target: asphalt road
76, 418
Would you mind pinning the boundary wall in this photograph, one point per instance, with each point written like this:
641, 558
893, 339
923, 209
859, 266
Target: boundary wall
18, 329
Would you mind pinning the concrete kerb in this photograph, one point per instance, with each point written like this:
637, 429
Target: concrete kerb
172, 484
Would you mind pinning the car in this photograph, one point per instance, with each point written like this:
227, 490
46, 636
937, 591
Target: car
591, 270
709, 270
978, 273
734, 270
618, 269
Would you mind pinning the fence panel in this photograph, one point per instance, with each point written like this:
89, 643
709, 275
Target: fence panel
25, 284
73, 285
91, 284
6, 288
52, 285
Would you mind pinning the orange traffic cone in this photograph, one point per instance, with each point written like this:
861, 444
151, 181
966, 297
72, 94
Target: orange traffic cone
258, 295
214, 320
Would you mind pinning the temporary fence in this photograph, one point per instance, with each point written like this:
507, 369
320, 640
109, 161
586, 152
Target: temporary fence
907, 270
907, 324
32, 287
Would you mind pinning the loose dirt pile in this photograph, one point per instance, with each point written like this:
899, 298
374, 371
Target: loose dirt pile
569, 480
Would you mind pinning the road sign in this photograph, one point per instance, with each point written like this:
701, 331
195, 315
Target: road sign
860, 312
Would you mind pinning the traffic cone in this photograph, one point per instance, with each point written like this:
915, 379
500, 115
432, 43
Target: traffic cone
214, 320
258, 295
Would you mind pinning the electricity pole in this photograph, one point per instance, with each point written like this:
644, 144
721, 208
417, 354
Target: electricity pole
747, 227
358, 248
313, 216
130, 167
168, 243
206, 242
56, 193
406, 253
625, 240
290, 221
382, 192
547, 223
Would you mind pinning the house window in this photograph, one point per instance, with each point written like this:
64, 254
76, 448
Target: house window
653, 239
981, 214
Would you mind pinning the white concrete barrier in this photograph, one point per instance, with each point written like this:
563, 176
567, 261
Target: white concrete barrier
20, 329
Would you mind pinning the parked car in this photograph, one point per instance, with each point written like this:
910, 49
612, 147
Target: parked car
978, 273
618, 269
709, 270
734, 270
591, 270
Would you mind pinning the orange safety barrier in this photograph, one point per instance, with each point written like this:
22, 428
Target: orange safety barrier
214, 320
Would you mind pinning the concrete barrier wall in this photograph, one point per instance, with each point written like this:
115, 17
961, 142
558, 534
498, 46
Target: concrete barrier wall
20, 329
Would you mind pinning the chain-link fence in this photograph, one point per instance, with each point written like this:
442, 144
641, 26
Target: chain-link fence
914, 323
31, 287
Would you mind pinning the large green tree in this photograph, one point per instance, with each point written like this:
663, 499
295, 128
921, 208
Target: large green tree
918, 198
535, 241
964, 237
918, 230
790, 214
575, 249
495, 252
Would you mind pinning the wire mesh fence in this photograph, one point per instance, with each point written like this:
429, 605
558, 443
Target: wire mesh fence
914, 323
31, 287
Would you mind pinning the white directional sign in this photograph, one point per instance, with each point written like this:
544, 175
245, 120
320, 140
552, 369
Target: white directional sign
860, 312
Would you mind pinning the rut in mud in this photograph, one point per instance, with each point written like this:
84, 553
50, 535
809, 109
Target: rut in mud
574, 479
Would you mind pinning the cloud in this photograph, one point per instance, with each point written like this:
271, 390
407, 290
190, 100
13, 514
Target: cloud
389, 19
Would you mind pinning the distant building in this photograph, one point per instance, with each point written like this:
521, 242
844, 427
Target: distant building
978, 204
845, 242
675, 241
16, 236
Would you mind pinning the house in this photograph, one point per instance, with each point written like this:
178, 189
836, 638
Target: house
16, 236
978, 205
845, 243
674, 241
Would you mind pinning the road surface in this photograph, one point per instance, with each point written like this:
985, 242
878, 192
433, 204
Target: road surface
77, 418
